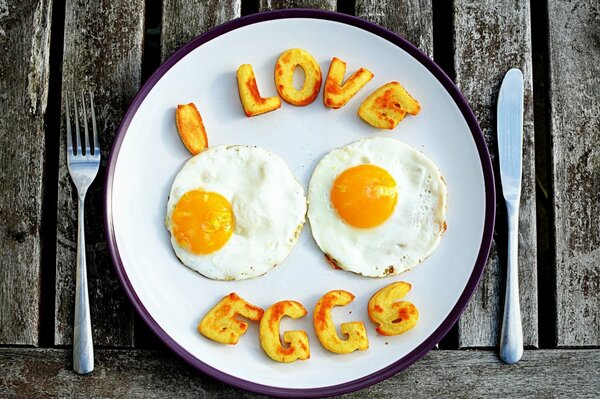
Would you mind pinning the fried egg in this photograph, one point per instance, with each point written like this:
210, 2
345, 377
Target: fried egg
234, 212
377, 207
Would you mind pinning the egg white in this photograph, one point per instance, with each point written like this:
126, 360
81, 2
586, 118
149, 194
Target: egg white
269, 209
407, 237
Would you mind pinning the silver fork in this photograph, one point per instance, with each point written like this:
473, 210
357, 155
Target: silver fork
83, 168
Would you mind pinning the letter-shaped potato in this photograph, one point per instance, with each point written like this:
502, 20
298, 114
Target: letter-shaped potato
387, 106
191, 128
220, 323
336, 94
252, 102
392, 318
325, 329
284, 77
269, 333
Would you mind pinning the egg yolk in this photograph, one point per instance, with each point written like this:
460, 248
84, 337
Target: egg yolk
202, 222
364, 195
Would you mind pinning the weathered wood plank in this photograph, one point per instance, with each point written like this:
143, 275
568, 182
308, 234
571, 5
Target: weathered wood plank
24, 74
103, 51
183, 20
574, 93
265, 5
154, 374
410, 19
490, 37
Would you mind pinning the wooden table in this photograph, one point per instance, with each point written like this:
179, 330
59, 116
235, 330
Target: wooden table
115, 45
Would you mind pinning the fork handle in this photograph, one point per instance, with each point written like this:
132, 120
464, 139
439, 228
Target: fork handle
511, 338
83, 349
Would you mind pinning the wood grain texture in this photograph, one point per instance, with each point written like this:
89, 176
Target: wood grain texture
182, 20
265, 5
411, 19
490, 37
574, 93
24, 74
153, 374
102, 51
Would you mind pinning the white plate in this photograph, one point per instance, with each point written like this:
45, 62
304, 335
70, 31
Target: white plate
148, 153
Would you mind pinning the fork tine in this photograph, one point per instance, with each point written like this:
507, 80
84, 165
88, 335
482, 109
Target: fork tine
93, 112
78, 152
88, 151
69, 133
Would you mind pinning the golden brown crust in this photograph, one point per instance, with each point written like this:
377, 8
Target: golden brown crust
220, 323
391, 317
325, 329
269, 333
332, 262
336, 94
387, 106
191, 128
284, 77
252, 102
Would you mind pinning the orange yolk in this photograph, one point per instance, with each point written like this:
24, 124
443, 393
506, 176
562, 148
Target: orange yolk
364, 195
202, 222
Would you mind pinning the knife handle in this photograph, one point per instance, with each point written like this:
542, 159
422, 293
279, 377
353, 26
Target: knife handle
511, 338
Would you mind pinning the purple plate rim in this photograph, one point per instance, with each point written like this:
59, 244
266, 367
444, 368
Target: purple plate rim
490, 200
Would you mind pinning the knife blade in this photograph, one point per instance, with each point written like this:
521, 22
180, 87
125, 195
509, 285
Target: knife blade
510, 133
510, 150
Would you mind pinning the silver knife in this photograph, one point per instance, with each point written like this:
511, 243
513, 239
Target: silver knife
510, 149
